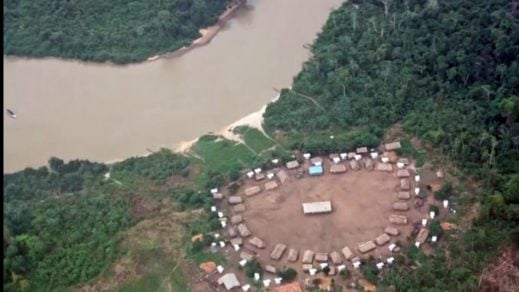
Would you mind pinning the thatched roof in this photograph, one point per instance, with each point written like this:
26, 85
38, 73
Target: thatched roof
308, 257
383, 239
397, 219
278, 251
292, 255
252, 191
400, 206
392, 146
367, 246
292, 164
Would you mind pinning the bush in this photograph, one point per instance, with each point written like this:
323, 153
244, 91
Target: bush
288, 274
435, 209
251, 268
445, 192
326, 270
435, 228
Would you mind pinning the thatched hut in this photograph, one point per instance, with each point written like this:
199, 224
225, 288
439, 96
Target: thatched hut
367, 246
308, 257
257, 242
292, 255
382, 239
233, 200
392, 231
400, 206
354, 165
338, 168
251, 191
243, 230
347, 253
397, 219
278, 251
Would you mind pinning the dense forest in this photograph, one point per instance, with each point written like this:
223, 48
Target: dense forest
448, 72
62, 223
96, 30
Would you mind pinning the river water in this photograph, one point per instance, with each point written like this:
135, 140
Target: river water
103, 112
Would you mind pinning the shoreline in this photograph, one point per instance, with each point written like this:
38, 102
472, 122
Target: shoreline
207, 33
253, 120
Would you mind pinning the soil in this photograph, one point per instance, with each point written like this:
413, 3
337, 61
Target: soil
361, 203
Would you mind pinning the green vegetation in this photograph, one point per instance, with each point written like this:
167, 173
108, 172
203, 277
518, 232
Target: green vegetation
447, 71
288, 274
161, 273
254, 138
409, 150
252, 268
54, 216
223, 155
158, 167
95, 30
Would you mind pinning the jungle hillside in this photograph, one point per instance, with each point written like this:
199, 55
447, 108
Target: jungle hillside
116, 31
444, 72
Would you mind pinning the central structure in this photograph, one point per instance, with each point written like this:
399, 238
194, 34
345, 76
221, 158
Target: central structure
317, 207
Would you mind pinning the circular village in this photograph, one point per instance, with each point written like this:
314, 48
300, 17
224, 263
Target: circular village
322, 216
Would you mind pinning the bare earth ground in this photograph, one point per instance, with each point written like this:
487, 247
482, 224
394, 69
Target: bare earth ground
361, 202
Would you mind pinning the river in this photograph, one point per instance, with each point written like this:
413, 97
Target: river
102, 112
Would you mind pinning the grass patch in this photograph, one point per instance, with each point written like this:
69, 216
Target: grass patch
254, 138
160, 274
408, 149
223, 155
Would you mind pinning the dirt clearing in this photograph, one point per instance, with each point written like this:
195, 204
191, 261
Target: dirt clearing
361, 203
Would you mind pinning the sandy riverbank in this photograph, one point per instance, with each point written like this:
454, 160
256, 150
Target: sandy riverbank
253, 120
207, 33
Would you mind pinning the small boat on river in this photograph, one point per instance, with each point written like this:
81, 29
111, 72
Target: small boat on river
11, 113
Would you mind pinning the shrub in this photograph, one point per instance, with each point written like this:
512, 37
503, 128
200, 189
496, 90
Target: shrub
444, 192
288, 274
326, 270
435, 209
435, 228
251, 268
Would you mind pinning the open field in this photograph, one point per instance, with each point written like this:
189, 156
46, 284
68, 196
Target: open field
361, 202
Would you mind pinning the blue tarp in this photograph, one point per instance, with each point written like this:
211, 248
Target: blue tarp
315, 170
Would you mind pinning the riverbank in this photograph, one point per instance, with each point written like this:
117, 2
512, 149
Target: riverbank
207, 33
253, 120
155, 104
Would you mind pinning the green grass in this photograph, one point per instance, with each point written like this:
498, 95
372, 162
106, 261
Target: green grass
160, 272
223, 155
205, 256
254, 138
408, 149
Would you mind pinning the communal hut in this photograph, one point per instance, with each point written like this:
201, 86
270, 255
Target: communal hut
317, 207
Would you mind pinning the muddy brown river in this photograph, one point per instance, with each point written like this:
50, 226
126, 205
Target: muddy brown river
103, 112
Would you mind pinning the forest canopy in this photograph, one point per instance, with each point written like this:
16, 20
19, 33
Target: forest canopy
448, 73
95, 30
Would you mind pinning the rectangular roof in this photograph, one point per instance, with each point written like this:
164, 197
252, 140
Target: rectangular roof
316, 169
317, 207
